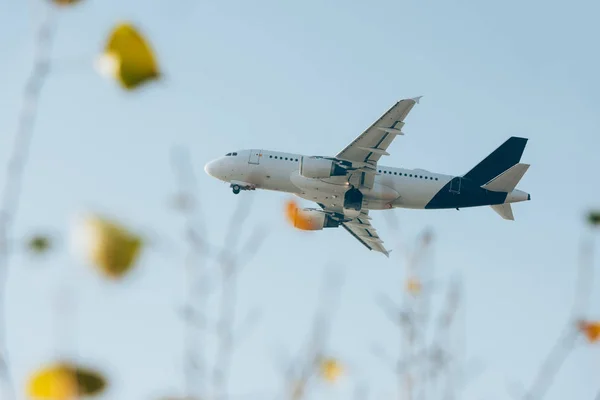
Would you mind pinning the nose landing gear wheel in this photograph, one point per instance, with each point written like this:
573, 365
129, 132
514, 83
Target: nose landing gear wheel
236, 189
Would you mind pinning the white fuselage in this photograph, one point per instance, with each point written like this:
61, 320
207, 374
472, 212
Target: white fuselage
278, 171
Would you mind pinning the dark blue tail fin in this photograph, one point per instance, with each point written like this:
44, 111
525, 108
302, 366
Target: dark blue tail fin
501, 159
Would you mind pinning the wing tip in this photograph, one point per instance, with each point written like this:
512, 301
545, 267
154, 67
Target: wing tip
416, 99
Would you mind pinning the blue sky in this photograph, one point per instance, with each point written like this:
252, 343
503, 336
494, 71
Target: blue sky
308, 77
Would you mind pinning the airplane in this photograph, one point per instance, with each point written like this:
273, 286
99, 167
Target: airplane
350, 184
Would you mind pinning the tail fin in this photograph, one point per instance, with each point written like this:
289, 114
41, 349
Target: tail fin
508, 154
508, 180
504, 210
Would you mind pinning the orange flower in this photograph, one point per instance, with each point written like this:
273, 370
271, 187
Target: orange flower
591, 330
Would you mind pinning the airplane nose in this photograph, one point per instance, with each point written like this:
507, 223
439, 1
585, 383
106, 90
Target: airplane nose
209, 168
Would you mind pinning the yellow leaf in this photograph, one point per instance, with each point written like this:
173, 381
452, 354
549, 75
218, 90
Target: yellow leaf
591, 330
64, 381
65, 2
128, 58
330, 369
108, 245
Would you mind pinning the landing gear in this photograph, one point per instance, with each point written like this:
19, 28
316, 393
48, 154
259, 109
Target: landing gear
236, 189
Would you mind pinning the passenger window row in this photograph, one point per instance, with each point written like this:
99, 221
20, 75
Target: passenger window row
380, 171
284, 158
408, 175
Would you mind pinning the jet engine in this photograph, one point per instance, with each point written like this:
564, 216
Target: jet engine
320, 168
353, 199
308, 219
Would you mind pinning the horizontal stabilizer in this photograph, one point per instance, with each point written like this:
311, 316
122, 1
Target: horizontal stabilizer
504, 210
508, 180
507, 155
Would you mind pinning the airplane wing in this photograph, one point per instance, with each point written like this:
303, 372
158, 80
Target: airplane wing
361, 228
366, 150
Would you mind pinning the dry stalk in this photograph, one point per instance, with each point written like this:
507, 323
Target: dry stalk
568, 339
197, 290
308, 361
9, 202
231, 263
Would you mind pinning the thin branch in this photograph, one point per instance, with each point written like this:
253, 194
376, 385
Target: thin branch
246, 327
361, 392
566, 342
230, 267
320, 332
14, 174
585, 278
552, 364
194, 363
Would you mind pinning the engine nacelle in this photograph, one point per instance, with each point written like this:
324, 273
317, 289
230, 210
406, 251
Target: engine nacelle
312, 220
320, 168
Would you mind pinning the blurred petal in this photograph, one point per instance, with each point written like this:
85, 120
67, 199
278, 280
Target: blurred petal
65, 2
591, 330
128, 58
64, 381
106, 244
413, 286
107, 65
331, 369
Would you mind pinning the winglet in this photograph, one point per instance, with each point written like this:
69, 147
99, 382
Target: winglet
416, 99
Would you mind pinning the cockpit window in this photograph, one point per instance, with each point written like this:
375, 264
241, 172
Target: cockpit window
234, 154
228, 154
231, 154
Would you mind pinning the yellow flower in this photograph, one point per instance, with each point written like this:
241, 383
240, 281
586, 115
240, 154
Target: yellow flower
107, 244
128, 58
413, 286
64, 381
331, 369
65, 2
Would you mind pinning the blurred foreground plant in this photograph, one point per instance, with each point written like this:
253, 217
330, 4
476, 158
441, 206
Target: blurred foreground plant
591, 330
128, 58
65, 2
106, 244
65, 381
